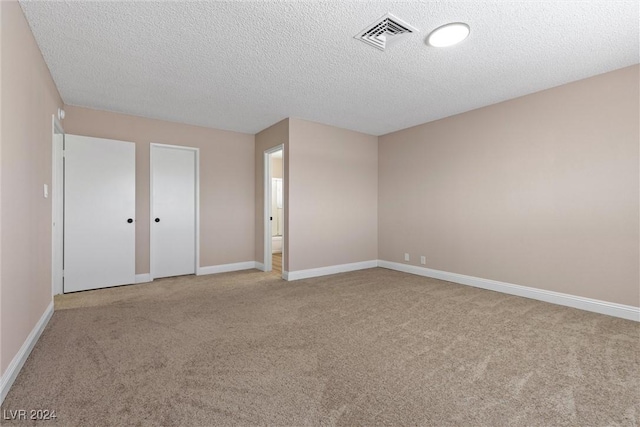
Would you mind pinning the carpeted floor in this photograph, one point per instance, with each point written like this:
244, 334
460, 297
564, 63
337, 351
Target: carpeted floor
373, 347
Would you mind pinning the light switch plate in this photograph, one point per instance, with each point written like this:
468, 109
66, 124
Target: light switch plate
46, 191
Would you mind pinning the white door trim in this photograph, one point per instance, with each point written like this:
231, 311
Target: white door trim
267, 206
197, 210
57, 206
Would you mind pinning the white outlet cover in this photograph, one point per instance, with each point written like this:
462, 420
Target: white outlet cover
406, 257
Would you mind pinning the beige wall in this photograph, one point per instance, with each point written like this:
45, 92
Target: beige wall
540, 191
269, 138
333, 196
226, 179
29, 98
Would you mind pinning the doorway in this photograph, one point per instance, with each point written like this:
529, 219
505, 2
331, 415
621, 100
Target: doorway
274, 197
174, 210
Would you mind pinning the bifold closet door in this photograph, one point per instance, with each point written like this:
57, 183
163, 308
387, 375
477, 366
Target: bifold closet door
99, 213
173, 210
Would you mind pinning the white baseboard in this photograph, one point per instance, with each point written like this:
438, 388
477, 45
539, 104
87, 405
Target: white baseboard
213, 269
225, 268
588, 304
143, 278
17, 363
332, 269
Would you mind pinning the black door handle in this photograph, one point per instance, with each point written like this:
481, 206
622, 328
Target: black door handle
157, 220
270, 218
130, 220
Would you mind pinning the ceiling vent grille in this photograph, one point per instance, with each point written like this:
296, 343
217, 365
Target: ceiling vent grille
384, 31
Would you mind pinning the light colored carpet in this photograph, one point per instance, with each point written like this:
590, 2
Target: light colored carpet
373, 347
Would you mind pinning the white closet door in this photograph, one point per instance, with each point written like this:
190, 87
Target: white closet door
173, 211
99, 213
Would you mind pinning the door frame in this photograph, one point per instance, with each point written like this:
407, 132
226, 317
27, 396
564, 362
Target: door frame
267, 207
197, 201
57, 207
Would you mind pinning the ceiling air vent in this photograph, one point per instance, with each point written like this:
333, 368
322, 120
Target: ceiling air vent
384, 31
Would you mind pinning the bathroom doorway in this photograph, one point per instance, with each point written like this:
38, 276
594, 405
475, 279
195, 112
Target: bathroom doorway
274, 210
277, 211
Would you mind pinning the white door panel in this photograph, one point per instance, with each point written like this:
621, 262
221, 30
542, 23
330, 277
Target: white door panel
173, 216
99, 199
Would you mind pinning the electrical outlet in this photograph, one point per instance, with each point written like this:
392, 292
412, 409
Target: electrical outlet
423, 260
406, 257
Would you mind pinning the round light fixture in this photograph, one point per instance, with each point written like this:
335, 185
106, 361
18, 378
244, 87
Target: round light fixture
448, 34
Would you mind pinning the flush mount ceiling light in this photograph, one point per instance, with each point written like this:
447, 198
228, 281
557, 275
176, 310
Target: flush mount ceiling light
448, 34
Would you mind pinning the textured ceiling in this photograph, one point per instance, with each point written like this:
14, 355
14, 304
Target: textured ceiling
245, 65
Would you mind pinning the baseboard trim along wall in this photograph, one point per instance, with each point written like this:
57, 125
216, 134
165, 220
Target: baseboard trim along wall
225, 268
17, 363
213, 269
143, 278
588, 304
332, 269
